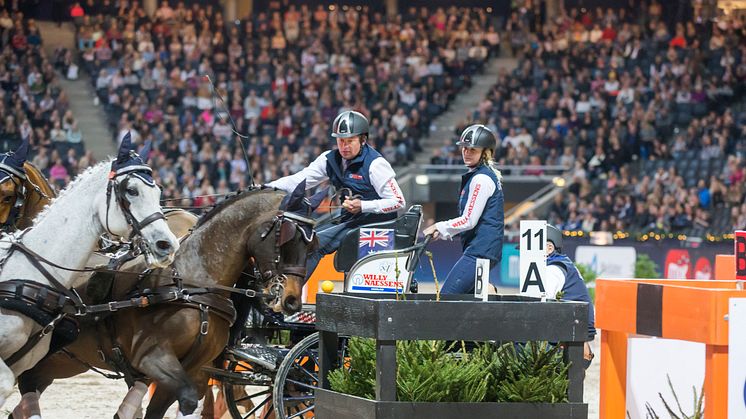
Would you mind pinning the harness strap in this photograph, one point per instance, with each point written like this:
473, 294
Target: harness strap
33, 340
48, 307
116, 376
34, 258
117, 361
204, 321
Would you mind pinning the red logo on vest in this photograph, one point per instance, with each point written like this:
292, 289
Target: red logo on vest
356, 177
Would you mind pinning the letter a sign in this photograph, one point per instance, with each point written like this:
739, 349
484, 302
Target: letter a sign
533, 257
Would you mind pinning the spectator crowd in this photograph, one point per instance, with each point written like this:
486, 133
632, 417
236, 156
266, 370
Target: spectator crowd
185, 76
647, 118
32, 104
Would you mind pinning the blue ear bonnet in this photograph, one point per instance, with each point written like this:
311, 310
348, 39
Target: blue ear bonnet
11, 163
128, 162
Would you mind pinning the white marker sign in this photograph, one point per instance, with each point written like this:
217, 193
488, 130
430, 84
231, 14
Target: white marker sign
533, 257
482, 279
736, 355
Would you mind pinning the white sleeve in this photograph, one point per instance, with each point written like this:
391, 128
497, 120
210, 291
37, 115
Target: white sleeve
314, 174
481, 189
383, 179
554, 281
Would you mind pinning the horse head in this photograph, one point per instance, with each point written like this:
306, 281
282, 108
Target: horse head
132, 207
12, 190
280, 251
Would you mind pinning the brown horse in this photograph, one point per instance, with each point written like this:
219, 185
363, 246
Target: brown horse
159, 341
22, 199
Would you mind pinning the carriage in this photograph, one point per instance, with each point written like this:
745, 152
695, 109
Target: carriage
274, 367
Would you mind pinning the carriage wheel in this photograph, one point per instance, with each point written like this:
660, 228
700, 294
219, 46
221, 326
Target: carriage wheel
245, 400
297, 379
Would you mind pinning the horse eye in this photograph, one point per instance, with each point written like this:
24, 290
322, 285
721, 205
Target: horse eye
132, 191
8, 199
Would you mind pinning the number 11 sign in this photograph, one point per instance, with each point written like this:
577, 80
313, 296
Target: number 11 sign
533, 257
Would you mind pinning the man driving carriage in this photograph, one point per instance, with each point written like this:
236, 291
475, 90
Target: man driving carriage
354, 166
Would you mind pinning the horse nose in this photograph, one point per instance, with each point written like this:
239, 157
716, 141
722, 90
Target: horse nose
163, 247
291, 304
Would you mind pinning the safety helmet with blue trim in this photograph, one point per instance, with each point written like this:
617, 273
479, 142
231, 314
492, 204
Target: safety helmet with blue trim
349, 124
11, 163
554, 235
129, 162
478, 135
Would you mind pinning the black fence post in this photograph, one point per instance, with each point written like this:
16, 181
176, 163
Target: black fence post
574, 354
328, 350
386, 370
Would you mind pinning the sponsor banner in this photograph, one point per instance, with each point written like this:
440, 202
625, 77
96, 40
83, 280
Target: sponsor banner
380, 275
650, 361
506, 273
614, 262
678, 264
703, 269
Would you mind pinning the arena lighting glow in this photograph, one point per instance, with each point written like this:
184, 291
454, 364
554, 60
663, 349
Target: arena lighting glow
559, 182
422, 180
489, 10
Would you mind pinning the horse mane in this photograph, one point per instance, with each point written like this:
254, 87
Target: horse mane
102, 166
229, 200
40, 181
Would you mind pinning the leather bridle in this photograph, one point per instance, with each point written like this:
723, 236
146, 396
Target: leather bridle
119, 188
285, 225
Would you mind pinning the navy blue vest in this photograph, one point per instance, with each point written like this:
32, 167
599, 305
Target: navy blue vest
485, 240
357, 179
574, 289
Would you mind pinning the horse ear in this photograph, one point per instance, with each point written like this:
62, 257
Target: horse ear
20, 155
294, 201
125, 148
145, 151
317, 199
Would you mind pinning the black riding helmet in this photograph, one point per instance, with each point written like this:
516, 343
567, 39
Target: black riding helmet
349, 124
554, 235
478, 135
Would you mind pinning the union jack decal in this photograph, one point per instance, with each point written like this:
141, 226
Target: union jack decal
374, 240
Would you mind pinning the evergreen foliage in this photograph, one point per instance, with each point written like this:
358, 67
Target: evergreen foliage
434, 371
645, 268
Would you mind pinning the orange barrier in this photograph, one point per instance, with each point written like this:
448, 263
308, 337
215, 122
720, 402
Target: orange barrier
692, 310
324, 271
725, 267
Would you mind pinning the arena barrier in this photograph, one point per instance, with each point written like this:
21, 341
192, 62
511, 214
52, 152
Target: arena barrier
688, 310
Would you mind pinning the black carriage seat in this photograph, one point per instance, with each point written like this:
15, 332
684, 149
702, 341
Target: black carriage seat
405, 234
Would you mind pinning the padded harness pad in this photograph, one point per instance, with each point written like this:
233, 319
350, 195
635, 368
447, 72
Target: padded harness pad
66, 330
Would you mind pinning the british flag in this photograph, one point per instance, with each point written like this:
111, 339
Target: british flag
374, 240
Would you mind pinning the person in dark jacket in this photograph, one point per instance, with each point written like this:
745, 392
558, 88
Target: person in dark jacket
357, 167
481, 223
563, 276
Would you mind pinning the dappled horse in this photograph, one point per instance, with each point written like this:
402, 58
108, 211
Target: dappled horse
169, 343
116, 196
24, 191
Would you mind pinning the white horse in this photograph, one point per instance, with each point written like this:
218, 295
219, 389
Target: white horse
107, 197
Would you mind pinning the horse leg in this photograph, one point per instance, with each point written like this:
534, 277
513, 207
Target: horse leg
28, 407
7, 381
132, 403
160, 402
33, 382
165, 369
